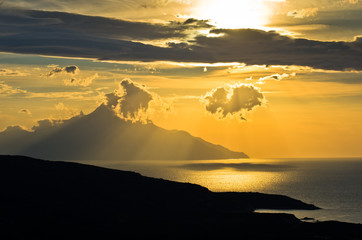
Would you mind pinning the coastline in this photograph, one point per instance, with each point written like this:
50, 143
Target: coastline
44, 196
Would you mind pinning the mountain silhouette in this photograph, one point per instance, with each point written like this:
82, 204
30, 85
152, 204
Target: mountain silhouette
102, 135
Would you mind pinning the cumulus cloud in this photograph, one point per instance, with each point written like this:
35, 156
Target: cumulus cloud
234, 100
131, 101
68, 69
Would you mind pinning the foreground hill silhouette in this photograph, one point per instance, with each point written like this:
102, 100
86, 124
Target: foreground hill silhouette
63, 200
103, 135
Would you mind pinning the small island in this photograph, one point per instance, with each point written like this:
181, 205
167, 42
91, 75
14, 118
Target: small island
64, 200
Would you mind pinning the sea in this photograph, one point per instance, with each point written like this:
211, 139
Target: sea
334, 185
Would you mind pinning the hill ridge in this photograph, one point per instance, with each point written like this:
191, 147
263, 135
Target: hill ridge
102, 135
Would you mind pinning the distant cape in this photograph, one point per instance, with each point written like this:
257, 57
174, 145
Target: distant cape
102, 135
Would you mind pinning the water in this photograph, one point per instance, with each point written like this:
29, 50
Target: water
335, 185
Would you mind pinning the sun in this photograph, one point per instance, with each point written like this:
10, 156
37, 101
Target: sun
233, 13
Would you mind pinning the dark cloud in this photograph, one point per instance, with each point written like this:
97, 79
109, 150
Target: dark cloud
71, 35
326, 25
15, 21
233, 100
74, 81
260, 47
192, 22
68, 69
71, 69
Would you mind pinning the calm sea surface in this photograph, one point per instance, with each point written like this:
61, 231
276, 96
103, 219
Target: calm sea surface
335, 185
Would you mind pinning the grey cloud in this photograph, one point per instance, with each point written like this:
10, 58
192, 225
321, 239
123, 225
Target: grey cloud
74, 81
131, 101
15, 21
108, 39
342, 24
136, 98
233, 100
68, 69
260, 47
71, 69
192, 22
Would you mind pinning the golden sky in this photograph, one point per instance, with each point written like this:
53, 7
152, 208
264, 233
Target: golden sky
271, 78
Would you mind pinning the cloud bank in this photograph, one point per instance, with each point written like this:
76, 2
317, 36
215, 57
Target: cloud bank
72, 35
234, 100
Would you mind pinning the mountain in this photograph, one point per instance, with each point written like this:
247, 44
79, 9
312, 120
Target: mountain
102, 135
64, 200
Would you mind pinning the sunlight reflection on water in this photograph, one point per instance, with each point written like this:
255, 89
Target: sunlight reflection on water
332, 184
217, 175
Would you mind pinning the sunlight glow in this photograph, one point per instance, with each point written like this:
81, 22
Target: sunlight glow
233, 13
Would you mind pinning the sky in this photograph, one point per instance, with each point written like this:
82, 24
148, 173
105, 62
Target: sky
271, 78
